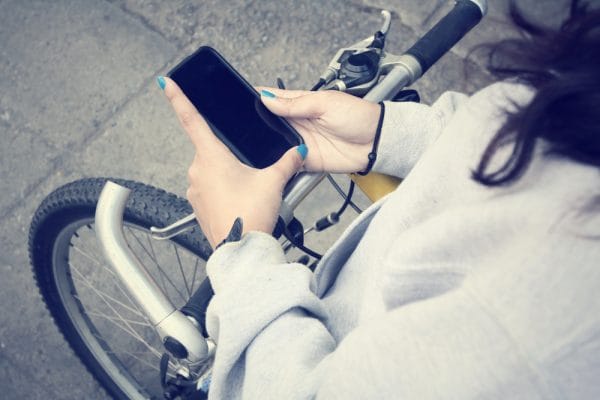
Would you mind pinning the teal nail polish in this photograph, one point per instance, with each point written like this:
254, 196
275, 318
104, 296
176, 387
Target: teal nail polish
161, 82
303, 150
268, 94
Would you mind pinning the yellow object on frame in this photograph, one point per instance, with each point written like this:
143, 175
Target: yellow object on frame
375, 185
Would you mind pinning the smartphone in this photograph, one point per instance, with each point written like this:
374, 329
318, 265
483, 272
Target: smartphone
233, 109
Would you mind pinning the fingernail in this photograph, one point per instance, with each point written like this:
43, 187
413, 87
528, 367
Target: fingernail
303, 150
268, 94
161, 82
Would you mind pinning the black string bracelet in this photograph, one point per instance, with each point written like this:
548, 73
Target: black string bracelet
373, 154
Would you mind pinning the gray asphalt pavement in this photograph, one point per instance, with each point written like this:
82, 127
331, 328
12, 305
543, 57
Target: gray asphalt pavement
79, 99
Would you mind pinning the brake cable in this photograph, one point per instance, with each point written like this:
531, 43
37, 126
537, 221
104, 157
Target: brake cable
330, 219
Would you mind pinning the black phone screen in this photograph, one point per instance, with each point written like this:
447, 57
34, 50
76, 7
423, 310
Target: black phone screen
233, 109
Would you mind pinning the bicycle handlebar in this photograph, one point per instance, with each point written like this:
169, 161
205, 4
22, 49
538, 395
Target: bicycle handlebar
447, 32
411, 66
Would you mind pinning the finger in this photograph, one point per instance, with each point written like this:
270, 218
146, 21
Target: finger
290, 163
309, 105
288, 94
192, 122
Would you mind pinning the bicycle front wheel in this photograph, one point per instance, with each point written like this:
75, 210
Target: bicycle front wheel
90, 306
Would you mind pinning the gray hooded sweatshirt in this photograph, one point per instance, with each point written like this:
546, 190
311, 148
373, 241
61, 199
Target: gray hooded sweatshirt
444, 289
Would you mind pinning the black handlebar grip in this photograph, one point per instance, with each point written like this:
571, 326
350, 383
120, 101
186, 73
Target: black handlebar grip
446, 33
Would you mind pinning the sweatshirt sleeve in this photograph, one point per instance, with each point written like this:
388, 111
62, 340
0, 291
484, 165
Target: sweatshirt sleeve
409, 129
266, 322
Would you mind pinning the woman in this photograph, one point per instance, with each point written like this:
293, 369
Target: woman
477, 278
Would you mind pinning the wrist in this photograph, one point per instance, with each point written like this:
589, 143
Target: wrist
372, 155
235, 233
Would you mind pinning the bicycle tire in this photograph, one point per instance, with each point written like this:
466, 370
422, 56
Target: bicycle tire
61, 250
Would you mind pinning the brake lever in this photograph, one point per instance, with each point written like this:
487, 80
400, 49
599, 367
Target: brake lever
366, 45
178, 227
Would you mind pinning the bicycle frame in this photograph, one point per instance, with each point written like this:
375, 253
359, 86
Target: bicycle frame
170, 323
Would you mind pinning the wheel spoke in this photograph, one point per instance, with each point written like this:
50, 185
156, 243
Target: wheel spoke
160, 276
130, 329
116, 280
105, 296
130, 321
136, 354
194, 275
125, 328
156, 263
181, 270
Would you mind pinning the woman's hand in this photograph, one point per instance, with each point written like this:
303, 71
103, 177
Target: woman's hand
337, 128
221, 187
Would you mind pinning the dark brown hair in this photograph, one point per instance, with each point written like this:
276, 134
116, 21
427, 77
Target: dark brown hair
563, 65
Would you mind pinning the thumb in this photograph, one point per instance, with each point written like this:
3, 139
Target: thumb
309, 105
290, 163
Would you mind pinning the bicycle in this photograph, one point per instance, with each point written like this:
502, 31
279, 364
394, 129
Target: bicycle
155, 289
